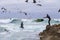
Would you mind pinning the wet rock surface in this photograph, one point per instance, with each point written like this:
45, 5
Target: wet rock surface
50, 33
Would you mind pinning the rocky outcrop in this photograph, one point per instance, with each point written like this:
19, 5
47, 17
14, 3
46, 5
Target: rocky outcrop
51, 33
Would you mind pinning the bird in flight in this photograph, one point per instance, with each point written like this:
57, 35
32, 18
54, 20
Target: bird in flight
25, 13
3, 9
59, 10
34, 1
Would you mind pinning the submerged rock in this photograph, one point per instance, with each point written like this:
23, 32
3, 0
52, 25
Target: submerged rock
39, 20
51, 33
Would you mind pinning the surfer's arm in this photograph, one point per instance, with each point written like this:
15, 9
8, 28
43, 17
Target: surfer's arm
44, 17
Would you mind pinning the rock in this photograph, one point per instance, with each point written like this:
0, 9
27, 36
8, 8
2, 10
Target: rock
50, 33
39, 20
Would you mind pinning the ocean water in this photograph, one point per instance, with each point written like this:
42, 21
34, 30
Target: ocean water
10, 28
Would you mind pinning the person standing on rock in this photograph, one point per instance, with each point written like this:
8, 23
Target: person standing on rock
34, 1
22, 25
48, 18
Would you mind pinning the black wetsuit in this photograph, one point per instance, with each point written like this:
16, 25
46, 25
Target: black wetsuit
34, 1
49, 19
22, 25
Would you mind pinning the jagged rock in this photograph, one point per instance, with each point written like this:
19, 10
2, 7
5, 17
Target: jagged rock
51, 33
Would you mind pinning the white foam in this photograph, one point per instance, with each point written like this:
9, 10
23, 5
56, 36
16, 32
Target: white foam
27, 20
57, 19
5, 20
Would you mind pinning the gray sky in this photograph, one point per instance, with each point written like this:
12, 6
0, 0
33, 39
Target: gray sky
15, 6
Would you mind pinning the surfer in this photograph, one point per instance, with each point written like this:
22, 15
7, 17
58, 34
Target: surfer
48, 18
34, 1
22, 25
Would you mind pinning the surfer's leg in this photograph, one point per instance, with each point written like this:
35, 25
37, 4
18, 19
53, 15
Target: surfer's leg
49, 22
